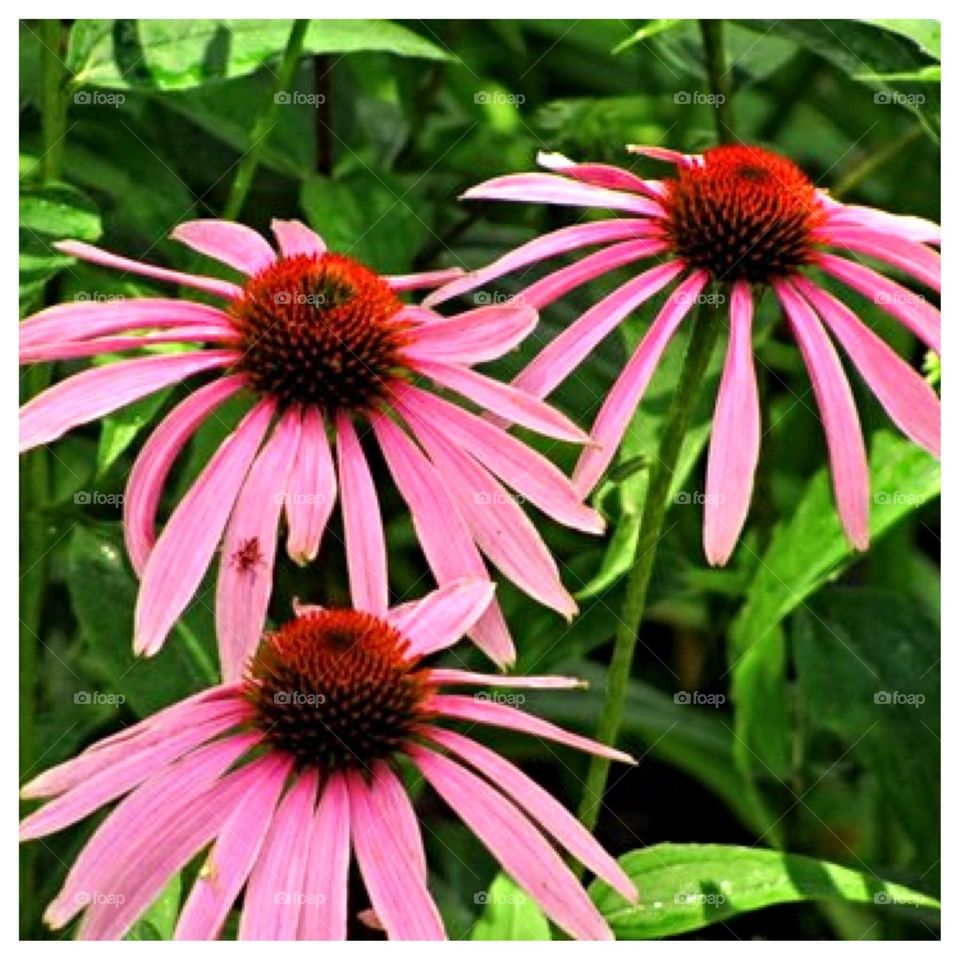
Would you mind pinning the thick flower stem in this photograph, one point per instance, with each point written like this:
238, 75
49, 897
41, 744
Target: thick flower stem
719, 76
706, 327
264, 123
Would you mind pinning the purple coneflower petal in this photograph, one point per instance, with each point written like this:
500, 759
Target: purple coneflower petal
397, 889
621, 402
444, 675
182, 554
311, 489
295, 238
519, 847
101, 390
848, 456
75, 349
421, 281
664, 154
234, 244
907, 228
475, 336
600, 174
734, 437
913, 258
249, 547
910, 401
395, 802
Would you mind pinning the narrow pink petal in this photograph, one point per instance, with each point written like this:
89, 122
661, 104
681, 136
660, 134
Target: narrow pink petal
275, 891
398, 891
848, 456
443, 675
912, 310
156, 458
229, 863
548, 245
498, 523
245, 579
234, 244
75, 349
519, 847
443, 616
323, 914
397, 808
664, 154
423, 281
528, 472
91, 254
311, 489
503, 715
295, 238
153, 805
913, 258
475, 336
600, 174
182, 554
556, 820
554, 285
362, 526
910, 401
621, 402
550, 188
82, 320
504, 400
444, 537
734, 438
101, 390
566, 351
907, 228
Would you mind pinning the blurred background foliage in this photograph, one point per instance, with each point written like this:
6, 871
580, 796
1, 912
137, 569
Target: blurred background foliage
755, 704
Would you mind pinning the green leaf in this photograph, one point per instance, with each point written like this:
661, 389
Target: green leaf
159, 922
179, 54
645, 33
868, 668
686, 887
509, 914
925, 33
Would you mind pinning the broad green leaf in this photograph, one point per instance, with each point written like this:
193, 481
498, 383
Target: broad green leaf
686, 887
925, 33
179, 54
508, 914
159, 922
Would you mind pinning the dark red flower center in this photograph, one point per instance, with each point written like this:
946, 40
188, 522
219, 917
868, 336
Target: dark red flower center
320, 331
337, 688
746, 213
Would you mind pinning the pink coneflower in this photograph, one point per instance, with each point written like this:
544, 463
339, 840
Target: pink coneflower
743, 216
321, 342
281, 773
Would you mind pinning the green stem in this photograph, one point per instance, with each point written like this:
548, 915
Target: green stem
53, 102
265, 122
870, 163
703, 338
714, 55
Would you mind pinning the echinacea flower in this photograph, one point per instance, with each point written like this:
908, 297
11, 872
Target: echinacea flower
322, 343
279, 775
749, 218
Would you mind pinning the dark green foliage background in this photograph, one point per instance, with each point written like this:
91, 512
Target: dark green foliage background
793, 641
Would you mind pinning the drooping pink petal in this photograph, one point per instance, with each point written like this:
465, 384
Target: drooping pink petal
848, 456
311, 489
76, 349
498, 523
323, 914
395, 803
101, 390
548, 245
444, 537
234, 244
601, 175
443, 616
504, 400
907, 228
664, 154
913, 258
275, 891
911, 309
621, 402
510, 718
423, 281
397, 889
734, 437
519, 847
233, 855
560, 282
555, 819
295, 238
153, 464
362, 525
910, 401
83, 320
245, 579
179, 559
444, 675
529, 473
567, 350
91, 254
475, 336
